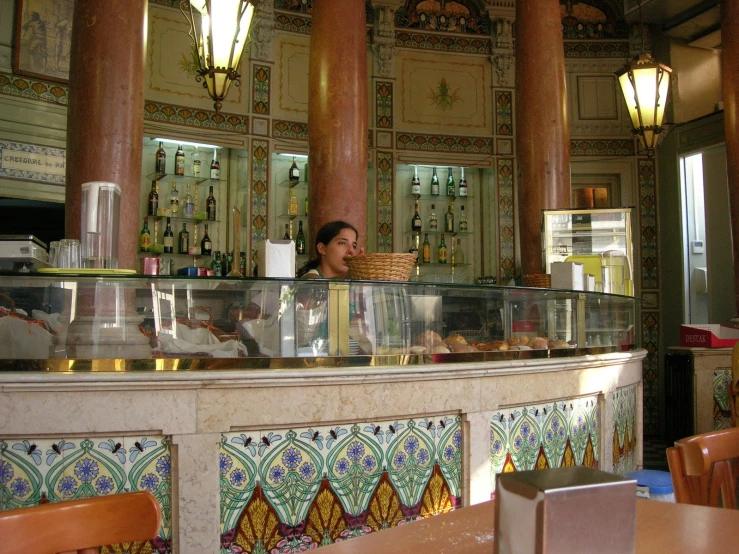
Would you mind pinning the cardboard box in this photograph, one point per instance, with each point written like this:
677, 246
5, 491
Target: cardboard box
708, 336
568, 275
276, 258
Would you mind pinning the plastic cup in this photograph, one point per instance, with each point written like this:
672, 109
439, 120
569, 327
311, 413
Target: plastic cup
99, 225
54, 253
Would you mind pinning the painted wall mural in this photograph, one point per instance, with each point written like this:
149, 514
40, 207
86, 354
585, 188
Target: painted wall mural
32, 469
556, 434
624, 434
460, 16
259, 196
384, 201
721, 408
290, 490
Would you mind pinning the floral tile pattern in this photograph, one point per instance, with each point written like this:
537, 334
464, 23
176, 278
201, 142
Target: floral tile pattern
27, 87
506, 222
260, 93
650, 369
444, 143
610, 147
384, 106
69, 469
297, 489
384, 202
289, 129
624, 430
504, 113
557, 434
259, 196
648, 219
597, 49
193, 117
721, 409
426, 41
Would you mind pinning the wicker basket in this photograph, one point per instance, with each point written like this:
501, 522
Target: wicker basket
540, 280
381, 267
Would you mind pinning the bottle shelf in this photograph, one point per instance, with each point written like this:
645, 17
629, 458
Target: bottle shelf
437, 264
200, 179
173, 254
438, 197
195, 220
289, 216
291, 184
437, 232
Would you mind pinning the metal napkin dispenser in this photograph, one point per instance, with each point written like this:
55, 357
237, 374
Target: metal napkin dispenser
569, 509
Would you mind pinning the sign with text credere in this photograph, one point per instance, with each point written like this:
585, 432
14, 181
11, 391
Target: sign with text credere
30, 162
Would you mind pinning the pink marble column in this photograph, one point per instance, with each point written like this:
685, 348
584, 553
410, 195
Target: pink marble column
730, 83
337, 116
105, 121
542, 126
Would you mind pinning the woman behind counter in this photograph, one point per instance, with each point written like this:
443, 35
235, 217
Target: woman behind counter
334, 240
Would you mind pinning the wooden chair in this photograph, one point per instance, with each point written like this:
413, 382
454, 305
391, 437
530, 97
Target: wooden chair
80, 526
705, 468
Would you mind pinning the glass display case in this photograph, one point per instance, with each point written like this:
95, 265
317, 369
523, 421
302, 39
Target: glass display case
600, 239
64, 322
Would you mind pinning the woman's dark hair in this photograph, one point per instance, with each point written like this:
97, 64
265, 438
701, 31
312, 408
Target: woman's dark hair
325, 234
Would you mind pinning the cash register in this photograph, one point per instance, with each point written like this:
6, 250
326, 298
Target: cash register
22, 253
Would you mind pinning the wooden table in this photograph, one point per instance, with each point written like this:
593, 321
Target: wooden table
660, 527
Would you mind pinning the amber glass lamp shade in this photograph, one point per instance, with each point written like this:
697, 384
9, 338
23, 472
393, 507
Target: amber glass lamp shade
219, 30
645, 84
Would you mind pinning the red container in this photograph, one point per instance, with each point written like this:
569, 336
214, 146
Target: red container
202, 272
708, 336
150, 266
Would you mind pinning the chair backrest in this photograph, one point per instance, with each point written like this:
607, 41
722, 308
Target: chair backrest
705, 468
80, 525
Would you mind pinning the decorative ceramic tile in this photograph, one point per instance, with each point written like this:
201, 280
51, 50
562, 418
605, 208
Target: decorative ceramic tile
506, 223
384, 106
260, 92
650, 369
26, 87
444, 143
648, 220
260, 126
69, 469
504, 113
438, 43
504, 147
289, 129
30, 162
557, 434
259, 196
384, 202
190, 117
611, 147
721, 408
624, 435
597, 49
296, 489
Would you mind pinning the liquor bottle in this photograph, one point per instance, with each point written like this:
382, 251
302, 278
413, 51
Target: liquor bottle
416, 182
210, 205
294, 173
287, 232
189, 204
433, 222
168, 238
161, 160
153, 199
184, 240
416, 222
196, 163
145, 237
242, 264
451, 189
442, 250
449, 220
463, 185
179, 161
426, 249
292, 206
414, 247
300, 239
458, 253
206, 247
174, 200
434, 184
462, 220
217, 265
215, 166
229, 262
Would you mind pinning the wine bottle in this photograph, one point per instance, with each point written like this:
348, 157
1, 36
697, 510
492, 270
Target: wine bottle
206, 247
153, 199
450, 186
145, 237
292, 206
459, 253
426, 249
217, 264
463, 185
189, 204
196, 163
449, 220
434, 184
294, 173
184, 239
161, 160
242, 264
229, 262
442, 250
179, 161
287, 232
462, 220
414, 247
300, 239
210, 205
416, 222
215, 166
174, 200
416, 182
168, 238
433, 222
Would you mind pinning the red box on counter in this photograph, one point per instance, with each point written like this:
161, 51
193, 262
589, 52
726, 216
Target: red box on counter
202, 272
150, 266
708, 336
